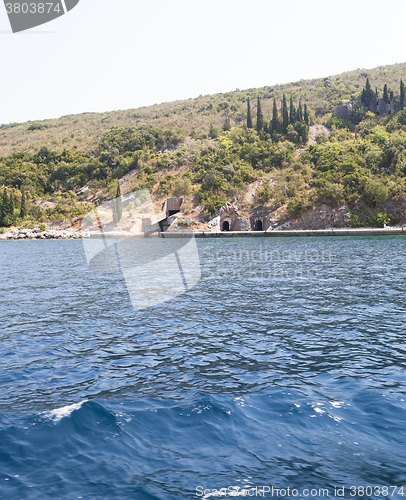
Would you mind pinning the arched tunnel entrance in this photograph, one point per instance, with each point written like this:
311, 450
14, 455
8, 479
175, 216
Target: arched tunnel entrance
226, 226
258, 225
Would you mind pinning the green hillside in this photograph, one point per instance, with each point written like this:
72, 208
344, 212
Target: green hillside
202, 149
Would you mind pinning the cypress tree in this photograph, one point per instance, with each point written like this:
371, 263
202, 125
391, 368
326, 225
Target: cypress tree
23, 208
117, 205
391, 95
385, 94
249, 117
11, 208
285, 114
214, 131
260, 118
402, 94
292, 112
6, 208
114, 209
363, 97
275, 119
368, 88
211, 131
3, 207
300, 112
119, 202
227, 124
369, 94
305, 115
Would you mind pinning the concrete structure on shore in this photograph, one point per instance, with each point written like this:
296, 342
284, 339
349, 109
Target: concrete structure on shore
296, 233
228, 218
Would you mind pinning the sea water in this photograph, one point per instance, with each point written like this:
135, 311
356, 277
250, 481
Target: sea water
284, 367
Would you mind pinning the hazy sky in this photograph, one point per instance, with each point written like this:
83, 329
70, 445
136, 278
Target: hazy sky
119, 54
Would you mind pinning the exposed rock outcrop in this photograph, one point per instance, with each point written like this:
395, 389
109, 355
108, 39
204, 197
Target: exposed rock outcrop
316, 130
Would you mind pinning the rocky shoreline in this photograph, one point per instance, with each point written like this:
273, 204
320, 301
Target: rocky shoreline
37, 234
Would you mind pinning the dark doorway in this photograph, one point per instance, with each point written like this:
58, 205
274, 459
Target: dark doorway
172, 212
226, 226
258, 225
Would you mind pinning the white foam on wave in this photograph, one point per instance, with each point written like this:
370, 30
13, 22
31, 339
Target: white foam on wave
232, 491
60, 413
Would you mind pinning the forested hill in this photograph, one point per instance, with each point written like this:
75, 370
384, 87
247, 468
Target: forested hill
194, 116
211, 148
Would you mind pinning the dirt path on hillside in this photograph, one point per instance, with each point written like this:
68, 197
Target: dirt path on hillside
251, 190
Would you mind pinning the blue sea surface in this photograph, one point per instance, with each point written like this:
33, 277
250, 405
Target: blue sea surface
284, 366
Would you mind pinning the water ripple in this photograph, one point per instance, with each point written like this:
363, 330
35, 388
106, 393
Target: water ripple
285, 365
